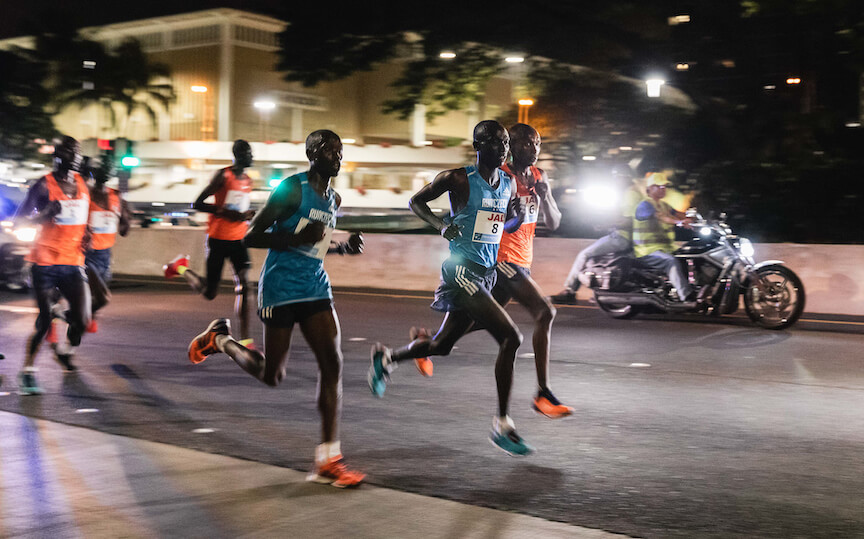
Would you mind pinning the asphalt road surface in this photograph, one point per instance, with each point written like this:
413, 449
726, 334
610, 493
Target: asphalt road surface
683, 427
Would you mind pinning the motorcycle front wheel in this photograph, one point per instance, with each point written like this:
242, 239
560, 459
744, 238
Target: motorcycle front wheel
779, 301
617, 310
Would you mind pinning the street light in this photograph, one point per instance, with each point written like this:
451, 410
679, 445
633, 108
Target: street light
653, 87
524, 104
264, 108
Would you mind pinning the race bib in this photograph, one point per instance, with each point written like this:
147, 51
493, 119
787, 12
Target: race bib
488, 226
104, 222
531, 209
319, 250
237, 201
74, 212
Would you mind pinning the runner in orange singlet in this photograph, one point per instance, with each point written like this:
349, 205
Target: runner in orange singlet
229, 220
514, 262
109, 216
58, 203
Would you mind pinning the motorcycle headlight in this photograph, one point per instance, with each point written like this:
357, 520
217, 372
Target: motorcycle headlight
746, 247
25, 234
705, 231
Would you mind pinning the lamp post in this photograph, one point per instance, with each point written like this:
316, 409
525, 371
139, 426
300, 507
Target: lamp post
653, 87
524, 104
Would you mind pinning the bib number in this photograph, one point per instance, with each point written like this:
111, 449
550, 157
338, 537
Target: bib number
103, 222
73, 212
319, 250
237, 201
532, 209
488, 227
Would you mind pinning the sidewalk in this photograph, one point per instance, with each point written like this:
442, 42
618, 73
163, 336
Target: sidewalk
61, 481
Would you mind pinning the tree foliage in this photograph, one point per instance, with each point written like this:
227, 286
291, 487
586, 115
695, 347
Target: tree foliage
23, 100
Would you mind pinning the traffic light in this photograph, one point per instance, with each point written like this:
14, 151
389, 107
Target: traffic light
128, 158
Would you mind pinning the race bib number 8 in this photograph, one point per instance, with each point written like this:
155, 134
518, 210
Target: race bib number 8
531, 209
74, 212
237, 201
488, 226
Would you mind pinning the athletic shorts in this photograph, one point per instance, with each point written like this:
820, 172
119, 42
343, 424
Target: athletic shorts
100, 262
286, 315
217, 252
461, 280
512, 272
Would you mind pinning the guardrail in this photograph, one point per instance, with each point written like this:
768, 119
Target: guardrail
833, 275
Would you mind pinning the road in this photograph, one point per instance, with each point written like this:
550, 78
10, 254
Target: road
683, 427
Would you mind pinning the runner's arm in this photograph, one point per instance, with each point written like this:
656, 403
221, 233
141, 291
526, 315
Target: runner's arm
548, 207
282, 204
37, 207
419, 203
515, 210
125, 218
355, 243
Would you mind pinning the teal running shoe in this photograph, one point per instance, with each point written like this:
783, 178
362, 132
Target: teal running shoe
27, 384
511, 443
379, 372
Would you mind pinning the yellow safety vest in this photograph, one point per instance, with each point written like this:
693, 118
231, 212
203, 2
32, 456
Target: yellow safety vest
653, 234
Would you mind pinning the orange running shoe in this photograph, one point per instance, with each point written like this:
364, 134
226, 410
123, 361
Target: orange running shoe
93, 326
424, 364
51, 336
172, 268
336, 473
205, 344
545, 403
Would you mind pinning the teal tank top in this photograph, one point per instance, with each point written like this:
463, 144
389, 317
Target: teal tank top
297, 275
482, 219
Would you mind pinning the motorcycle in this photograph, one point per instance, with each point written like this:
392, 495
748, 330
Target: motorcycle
14, 247
718, 264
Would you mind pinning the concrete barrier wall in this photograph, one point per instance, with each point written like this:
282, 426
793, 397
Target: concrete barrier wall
832, 274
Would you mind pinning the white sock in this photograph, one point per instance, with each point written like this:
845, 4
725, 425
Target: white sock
502, 425
327, 451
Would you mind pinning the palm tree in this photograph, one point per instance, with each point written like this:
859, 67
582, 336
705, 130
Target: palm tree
120, 82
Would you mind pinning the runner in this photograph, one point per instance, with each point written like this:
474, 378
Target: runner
58, 203
230, 188
295, 289
109, 216
483, 203
514, 263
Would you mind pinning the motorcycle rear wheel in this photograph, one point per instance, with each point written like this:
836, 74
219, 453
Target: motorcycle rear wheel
781, 303
617, 310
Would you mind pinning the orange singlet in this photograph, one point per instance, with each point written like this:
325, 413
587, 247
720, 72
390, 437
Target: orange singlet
59, 241
104, 221
518, 247
234, 195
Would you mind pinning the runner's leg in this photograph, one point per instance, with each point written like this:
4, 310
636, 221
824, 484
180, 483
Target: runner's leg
323, 334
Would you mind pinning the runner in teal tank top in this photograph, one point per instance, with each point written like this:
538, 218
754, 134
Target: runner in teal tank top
296, 226
483, 203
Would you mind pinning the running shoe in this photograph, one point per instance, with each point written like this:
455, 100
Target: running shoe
205, 344
93, 326
51, 336
65, 361
511, 443
336, 473
564, 297
545, 403
424, 364
379, 372
27, 384
172, 268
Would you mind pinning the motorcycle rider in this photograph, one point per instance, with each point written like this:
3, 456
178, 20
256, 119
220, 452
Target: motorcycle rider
654, 223
619, 240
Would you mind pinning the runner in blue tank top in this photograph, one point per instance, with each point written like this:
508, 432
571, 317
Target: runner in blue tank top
483, 203
296, 225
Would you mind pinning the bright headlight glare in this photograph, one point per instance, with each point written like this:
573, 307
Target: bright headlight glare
25, 234
705, 231
600, 196
746, 247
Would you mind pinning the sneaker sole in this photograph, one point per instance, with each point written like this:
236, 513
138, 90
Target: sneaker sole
516, 455
562, 416
321, 480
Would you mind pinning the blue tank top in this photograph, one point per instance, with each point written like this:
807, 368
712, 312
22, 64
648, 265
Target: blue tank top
298, 275
482, 219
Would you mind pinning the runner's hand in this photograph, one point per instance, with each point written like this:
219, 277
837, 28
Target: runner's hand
542, 189
451, 232
311, 233
355, 244
50, 211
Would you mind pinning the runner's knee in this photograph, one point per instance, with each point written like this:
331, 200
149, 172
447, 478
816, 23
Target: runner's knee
546, 314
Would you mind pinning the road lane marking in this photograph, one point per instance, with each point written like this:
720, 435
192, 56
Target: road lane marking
20, 310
